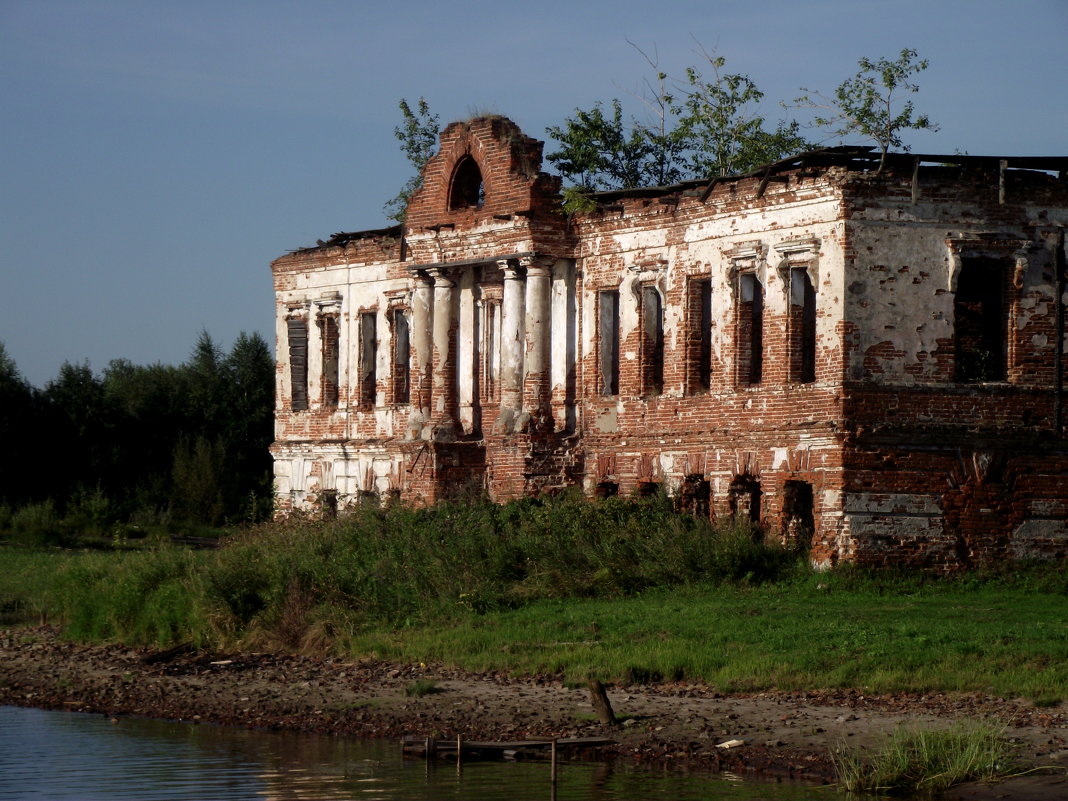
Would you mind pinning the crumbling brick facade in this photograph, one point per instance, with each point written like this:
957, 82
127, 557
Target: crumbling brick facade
870, 363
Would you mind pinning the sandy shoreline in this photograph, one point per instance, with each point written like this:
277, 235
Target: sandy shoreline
788, 735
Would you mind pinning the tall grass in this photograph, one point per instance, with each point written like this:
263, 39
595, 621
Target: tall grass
927, 761
295, 584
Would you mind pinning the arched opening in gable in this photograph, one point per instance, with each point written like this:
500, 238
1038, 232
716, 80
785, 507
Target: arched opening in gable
467, 190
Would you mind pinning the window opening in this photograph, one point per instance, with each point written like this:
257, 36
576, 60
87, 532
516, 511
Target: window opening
646, 489
743, 498
401, 357
609, 337
750, 333
297, 332
695, 494
492, 351
606, 489
328, 504
797, 515
700, 339
802, 327
467, 190
980, 328
328, 328
368, 349
652, 341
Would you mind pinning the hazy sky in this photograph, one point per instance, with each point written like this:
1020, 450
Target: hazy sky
156, 156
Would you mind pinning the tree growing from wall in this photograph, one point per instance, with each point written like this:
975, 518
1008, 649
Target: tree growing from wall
418, 135
695, 127
869, 104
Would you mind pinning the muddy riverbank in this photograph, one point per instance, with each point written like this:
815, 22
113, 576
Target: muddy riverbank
790, 735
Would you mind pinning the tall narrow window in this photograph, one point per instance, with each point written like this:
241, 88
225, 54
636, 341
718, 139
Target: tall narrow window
401, 358
609, 339
491, 355
368, 352
699, 355
652, 341
980, 328
297, 330
802, 327
329, 330
749, 337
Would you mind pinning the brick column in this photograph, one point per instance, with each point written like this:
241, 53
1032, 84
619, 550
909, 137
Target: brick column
511, 348
536, 407
443, 403
422, 315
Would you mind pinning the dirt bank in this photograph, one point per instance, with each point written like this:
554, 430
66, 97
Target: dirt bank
784, 734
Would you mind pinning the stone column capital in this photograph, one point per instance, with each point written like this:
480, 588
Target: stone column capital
537, 265
441, 277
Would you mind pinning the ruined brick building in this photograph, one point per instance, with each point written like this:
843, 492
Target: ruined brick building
869, 362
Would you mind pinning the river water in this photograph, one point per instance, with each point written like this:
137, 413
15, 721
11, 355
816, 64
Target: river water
72, 755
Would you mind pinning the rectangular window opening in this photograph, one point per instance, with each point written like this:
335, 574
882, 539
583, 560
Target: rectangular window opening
329, 329
401, 358
749, 349
297, 333
368, 350
699, 378
609, 341
492, 351
802, 327
652, 341
980, 321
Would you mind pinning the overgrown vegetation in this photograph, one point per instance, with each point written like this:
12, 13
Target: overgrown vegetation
138, 449
620, 589
927, 761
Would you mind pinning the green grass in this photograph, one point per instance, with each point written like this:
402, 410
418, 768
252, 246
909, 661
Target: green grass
784, 636
927, 761
621, 590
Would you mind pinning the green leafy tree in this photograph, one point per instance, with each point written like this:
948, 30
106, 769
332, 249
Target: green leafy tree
724, 133
694, 128
601, 152
869, 104
418, 135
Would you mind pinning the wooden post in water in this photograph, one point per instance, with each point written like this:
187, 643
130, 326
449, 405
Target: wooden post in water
601, 705
459, 752
552, 770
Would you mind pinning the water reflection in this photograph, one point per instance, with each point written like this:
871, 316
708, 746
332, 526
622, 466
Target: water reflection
68, 755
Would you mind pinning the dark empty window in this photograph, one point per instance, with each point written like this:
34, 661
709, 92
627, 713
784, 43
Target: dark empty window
328, 504
750, 329
802, 327
297, 329
699, 358
609, 339
797, 518
329, 329
368, 352
743, 497
467, 191
652, 341
401, 358
980, 328
694, 496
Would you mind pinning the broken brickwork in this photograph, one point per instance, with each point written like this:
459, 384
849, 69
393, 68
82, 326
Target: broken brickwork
870, 364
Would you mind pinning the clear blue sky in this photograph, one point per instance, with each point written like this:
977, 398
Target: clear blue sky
158, 155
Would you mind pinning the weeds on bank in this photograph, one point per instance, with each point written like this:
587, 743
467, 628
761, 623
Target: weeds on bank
928, 761
421, 687
622, 589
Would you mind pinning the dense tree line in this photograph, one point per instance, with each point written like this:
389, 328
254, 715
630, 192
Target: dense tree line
157, 442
